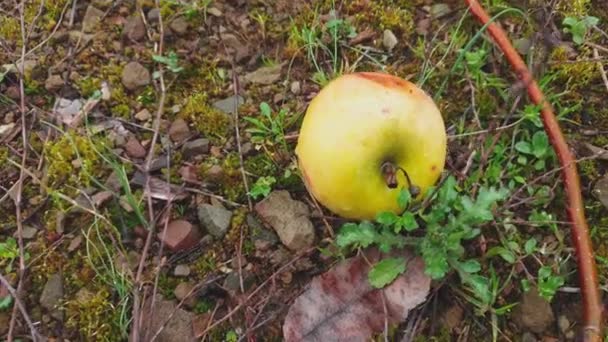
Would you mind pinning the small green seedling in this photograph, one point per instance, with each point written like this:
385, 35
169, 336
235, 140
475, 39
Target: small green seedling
578, 27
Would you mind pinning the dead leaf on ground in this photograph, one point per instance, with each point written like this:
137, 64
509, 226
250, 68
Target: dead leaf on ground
341, 305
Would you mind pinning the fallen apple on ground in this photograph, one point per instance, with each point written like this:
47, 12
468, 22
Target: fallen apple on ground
362, 136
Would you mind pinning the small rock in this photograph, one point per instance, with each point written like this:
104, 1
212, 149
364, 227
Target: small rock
135, 75
13, 92
214, 174
101, 198
6, 129
265, 75
286, 277
214, 11
185, 291
153, 15
29, 232
247, 149
134, 148
134, 28
215, 219
179, 130
53, 83
52, 295
195, 148
124, 263
289, 218
179, 25
68, 110
180, 235
563, 323
295, 87
522, 45
533, 313
84, 295
181, 271
600, 190
178, 327
259, 232
92, 16
75, 243
216, 151
389, 40
280, 256
528, 337
439, 10
227, 105
200, 324
233, 281
143, 115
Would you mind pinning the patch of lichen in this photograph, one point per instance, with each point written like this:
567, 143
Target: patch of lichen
573, 8
576, 74
72, 160
94, 314
206, 119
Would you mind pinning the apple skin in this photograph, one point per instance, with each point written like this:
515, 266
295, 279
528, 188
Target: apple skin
356, 123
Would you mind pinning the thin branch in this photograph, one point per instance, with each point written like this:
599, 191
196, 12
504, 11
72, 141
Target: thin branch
587, 270
20, 305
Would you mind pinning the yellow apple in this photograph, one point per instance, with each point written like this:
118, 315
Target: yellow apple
358, 124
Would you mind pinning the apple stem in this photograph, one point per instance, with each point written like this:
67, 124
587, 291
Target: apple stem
587, 270
389, 170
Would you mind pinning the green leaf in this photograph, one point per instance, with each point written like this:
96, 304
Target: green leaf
540, 144
539, 165
523, 147
385, 271
387, 218
504, 253
436, 263
530, 246
6, 302
265, 109
363, 235
404, 198
262, 187
470, 266
407, 222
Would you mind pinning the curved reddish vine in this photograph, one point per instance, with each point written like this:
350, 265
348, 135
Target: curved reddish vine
587, 270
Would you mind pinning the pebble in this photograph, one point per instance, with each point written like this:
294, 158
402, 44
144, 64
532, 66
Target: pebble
179, 131
389, 40
181, 271
180, 235
215, 219
135, 75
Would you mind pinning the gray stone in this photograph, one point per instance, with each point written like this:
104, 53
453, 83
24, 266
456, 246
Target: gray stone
600, 190
178, 327
153, 15
179, 25
181, 271
534, 313
135, 75
439, 10
53, 83
528, 337
195, 148
259, 232
214, 11
265, 75
227, 105
289, 218
68, 110
215, 219
52, 295
29, 232
134, 28
389, 40
295, 87
143, 115
134, 148
185, 291
233, 281
92, 16
179, 130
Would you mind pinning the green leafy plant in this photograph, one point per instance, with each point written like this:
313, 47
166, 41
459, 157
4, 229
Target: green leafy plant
578, 27
452, 218
548, 283
8, 252
269, 128
262, 187
171, 61
538, 148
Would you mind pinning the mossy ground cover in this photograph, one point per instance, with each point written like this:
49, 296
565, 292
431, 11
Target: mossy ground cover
495, 139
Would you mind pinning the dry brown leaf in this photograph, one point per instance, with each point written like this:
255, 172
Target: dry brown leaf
341, 305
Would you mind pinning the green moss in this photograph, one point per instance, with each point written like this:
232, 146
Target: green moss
10, 29
588, 168
573, 8
121, 111
207, 120
94, 315
72, 160
88, 85
577, 74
